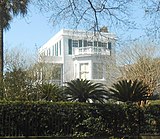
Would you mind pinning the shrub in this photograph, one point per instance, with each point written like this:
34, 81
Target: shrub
77, 119
80, 90
129, 91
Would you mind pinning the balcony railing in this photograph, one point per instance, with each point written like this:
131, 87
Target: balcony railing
90, 50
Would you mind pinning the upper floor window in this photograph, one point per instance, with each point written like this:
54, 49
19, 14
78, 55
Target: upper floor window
56, 49
104, 45
69, 46
60, 47
99, 44
80, 43
95, 43
75, 43
90, 43
85, 43
109, 45
53, 50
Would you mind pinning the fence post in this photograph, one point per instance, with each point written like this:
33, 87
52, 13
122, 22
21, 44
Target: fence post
26, 126
139, 122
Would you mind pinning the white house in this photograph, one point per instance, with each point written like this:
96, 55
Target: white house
81, 54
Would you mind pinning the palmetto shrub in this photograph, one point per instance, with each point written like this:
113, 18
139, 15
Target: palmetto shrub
50, 92
129, 91
85, 91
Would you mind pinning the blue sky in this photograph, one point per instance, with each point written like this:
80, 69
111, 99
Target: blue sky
34, 30
29, 32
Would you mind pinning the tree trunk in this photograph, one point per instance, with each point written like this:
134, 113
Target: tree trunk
1, 52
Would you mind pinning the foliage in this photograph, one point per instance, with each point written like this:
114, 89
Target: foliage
17, 85
20, 82
77, 119
8, 9
50, 92
151, 119
154, 102
85, 91
140, 61
39, 118
129, 91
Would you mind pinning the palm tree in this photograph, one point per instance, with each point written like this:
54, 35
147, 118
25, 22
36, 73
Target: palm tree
85, 91
129, 91
8, 9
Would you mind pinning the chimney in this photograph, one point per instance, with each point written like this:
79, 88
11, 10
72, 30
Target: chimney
104, 29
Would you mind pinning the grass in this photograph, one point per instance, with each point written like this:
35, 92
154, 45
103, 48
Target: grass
154, 102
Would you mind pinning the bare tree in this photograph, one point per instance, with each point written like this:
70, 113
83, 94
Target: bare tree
152, 15
141, 61
44, 72
115, 14
92, 14
16, 57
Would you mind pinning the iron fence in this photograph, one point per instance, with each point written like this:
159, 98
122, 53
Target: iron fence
64, 124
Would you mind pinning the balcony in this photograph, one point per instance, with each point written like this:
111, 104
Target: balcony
90, 50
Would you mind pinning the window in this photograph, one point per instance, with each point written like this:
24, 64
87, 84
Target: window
53, 50
80, 43
56, 49
95, 43
55, 72
84, 71
69, 46
90, 43
104, 45
59, 47
75, 43
109, 46
49, 52
99, 44
97, 70
85, 43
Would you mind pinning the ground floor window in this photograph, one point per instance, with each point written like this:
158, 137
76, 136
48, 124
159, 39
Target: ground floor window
97, 71
84, 71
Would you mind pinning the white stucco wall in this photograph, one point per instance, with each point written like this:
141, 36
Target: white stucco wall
69, 70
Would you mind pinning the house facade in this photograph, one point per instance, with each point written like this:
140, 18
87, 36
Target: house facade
80, 54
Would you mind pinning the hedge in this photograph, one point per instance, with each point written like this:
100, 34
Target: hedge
77, 119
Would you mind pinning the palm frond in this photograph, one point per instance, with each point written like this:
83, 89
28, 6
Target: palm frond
133, 91
85, 91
